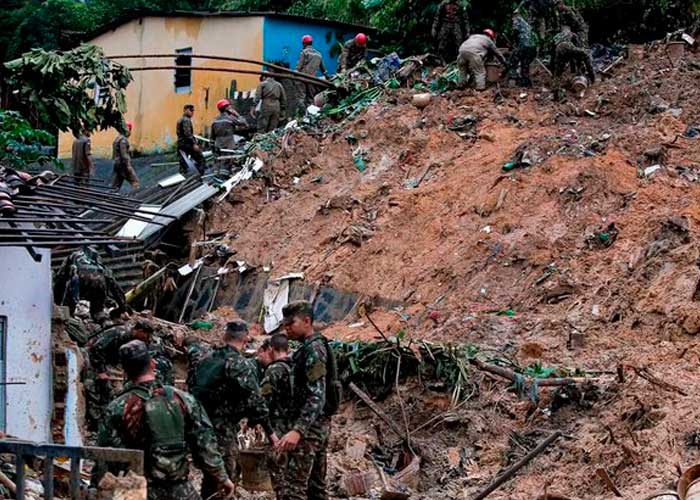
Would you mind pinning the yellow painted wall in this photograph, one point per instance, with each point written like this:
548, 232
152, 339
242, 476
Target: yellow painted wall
152, 103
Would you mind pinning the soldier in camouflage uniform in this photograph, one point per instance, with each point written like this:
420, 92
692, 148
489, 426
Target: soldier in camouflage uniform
272, 99
316, 398
167, 424
278, 389
121, 154
196, 350
103, 351
310, 63
353, 53
187, 143
568, 50
226, 383
83, 276
568, 16
450, 28
524, 50
543, 15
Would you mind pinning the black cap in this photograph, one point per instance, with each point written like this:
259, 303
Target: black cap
296, 308
135, 351
237, 326
144, 326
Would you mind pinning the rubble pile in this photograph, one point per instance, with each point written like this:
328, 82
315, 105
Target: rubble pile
552, 234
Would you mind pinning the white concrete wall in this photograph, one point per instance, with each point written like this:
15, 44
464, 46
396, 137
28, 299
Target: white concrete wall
26, 301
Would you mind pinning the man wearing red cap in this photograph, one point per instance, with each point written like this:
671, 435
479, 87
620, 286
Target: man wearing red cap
354, 52
310, 63
121, 153
225, 126
473, 54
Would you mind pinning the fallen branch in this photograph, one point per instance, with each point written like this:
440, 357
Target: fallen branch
542, 382
613, 64
511, 471
603, 474
654, 380
377, 411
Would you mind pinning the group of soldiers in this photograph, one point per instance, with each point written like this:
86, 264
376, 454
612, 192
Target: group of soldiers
288, 397
567, 48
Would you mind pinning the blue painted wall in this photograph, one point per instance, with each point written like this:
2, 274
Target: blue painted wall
282, 41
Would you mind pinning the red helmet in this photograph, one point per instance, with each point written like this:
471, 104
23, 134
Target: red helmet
490, 33
361, 39
307, 39
129, 125
223, 103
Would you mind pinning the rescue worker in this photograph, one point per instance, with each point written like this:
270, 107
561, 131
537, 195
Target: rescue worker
277, 388
225, 126
103, 350
568, 51
195, 350
186, 143
473, 54
83, 165
353, 53
99, 389
569, 16
226, 383
272, 99
121, 153
310, 63
543, 15
524, 50
167, 424
316, 398
83, 276
450, 28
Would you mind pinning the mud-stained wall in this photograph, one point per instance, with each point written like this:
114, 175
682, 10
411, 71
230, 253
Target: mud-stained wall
153, 104
26, 302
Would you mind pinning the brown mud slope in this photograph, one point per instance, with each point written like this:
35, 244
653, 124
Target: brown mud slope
472, 240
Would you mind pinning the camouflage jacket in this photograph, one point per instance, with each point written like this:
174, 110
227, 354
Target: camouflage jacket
567, 40
104, 351
573, 19
309, 385
450, 14
351, 55
237, 394
195, 354
310, 61
522, 33
126, 426
278, 390
121, 150
104, 348
185, 132
86, 264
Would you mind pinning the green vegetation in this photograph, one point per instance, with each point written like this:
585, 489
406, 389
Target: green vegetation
72, 90
20, 143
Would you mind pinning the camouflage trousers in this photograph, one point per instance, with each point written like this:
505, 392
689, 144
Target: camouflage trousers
98, 394
304, 476
228, 447
520, 60
449, 39
179, 491
124, 172
268, 118
305, 93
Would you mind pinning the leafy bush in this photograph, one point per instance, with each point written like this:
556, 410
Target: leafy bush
20, 143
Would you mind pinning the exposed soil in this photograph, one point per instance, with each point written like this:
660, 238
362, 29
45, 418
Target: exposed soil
580, 243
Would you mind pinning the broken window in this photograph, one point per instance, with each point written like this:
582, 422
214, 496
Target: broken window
3, 373
183, 76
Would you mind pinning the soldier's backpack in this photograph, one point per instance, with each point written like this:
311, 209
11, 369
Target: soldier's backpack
158, 417
209, 380
334, 389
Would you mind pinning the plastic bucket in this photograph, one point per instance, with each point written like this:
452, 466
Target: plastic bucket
254, 472
675, 50
493, 72
686, 481
663, 495
579, 84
